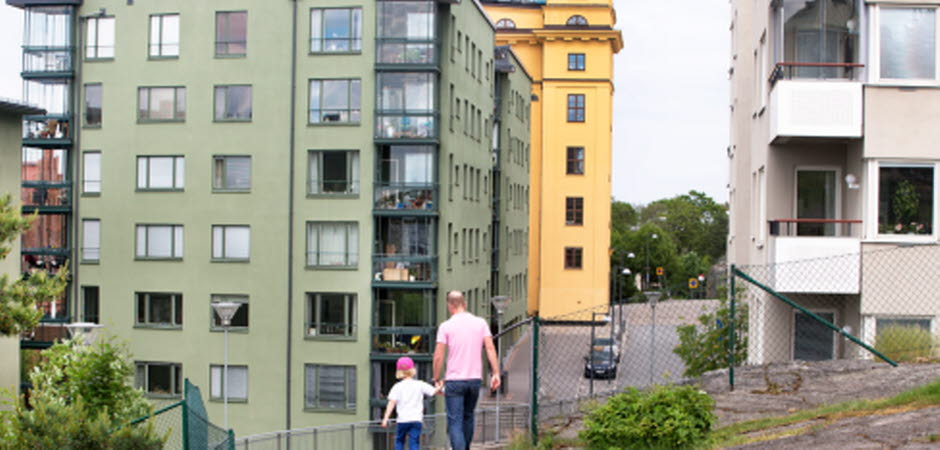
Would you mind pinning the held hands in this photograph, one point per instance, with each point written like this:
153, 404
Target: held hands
439, 387
385, 422
494, 382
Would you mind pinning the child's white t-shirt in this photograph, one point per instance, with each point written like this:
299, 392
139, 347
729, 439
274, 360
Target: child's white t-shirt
409, 399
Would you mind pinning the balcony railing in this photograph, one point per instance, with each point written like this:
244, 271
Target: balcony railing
45, 61
404, 269
413, 340
407, 52
405, 125
40, 194
815, 227
817, 70
43, 131
406, 196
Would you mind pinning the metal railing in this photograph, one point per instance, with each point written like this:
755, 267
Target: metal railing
816, 70
814, 227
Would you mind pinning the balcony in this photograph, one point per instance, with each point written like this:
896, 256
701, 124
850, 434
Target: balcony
47, 62
406, 34
46, 197
820, 256
408, 198
403, 270
405, 126
47, 132
829, 107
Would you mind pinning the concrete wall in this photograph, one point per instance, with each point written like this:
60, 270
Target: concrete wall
10, 136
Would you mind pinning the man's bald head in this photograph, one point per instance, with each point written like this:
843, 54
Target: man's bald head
455, 300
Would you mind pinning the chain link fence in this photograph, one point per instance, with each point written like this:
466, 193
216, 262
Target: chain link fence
186, 424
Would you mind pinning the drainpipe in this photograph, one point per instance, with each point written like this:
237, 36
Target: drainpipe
290, 212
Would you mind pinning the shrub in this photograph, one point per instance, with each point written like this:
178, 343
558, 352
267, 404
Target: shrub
704, 346
906, 343
665, 417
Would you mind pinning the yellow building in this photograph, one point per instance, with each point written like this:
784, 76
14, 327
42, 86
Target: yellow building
568, 47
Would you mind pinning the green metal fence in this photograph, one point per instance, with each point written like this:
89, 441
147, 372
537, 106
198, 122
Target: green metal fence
186, 424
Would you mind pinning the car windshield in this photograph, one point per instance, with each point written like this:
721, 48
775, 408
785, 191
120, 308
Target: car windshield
601, 356
603, 341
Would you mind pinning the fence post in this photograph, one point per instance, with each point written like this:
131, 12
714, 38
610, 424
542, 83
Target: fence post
231, 439
185, 424
534, 408
731, 330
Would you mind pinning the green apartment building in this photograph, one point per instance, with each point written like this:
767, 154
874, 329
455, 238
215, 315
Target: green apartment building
335, 166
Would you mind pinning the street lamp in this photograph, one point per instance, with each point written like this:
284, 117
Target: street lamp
606, 319
653, 297
701, 286
648, 237
225, 310
500, 303
86, 330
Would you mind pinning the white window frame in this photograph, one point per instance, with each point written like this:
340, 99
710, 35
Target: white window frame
233, 298
145, 173
91, 172
176, 378
874, 50
164, 43
217, 382
871, 211
142, 250
220, 239
94, 48
91, 240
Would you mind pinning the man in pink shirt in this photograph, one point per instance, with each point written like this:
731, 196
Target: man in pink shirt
463, 336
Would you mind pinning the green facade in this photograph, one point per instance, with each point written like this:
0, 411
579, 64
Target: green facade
325, 321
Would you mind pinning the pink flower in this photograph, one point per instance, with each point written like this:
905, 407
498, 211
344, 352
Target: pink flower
898, 227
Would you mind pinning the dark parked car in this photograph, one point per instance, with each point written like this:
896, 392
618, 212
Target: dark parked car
607, 345
600, 364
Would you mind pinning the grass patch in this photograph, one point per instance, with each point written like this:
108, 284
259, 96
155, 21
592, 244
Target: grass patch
742, 433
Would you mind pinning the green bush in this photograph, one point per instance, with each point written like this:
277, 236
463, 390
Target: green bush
665, 417
906, 343
704, 346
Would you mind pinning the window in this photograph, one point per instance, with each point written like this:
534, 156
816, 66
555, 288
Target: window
574, 211
90, 304
405, 105
231, 242
329, 387
331, 315
161, 104
160, 173
573, 257
575, 107
164, 35
575, 164
335, 30
159, 378
575, 61
405, 32
334, 101
231, 173
505, 24
333, 172
817, 32
576, 21
235, 384
91, 172
91, 240
907, 43
93, 105
332, 244
239, 320
231, 33
233, 103
159, 241
159, 309
905, 199
99, 38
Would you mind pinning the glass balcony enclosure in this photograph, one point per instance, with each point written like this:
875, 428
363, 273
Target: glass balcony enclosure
406, 32
406, 177
46, 128
405, 250
48, 235
405, 105
817, 39
403, 321
49, 94
47, 40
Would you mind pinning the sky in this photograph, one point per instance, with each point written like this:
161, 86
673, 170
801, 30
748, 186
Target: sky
670, 104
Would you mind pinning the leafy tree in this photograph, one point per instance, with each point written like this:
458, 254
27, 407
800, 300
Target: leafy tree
696, 222
81, 399
704, 346
18, 312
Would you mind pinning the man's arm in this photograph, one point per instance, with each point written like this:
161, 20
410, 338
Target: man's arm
494, 362
439, 350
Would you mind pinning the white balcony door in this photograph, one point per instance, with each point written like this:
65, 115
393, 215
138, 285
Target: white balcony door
817, 197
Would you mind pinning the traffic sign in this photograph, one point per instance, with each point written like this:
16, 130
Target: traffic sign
659, 271
693, 283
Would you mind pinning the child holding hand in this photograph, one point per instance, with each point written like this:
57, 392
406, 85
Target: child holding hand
407, 399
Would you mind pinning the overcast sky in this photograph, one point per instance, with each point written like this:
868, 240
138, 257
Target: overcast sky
670, 107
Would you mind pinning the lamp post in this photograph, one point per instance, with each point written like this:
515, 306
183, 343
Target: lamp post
500, 303
701, 286
604, 318
225, 310
86, 330
653, 297
648, 238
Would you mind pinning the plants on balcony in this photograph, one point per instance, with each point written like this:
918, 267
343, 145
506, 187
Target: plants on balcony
905, 205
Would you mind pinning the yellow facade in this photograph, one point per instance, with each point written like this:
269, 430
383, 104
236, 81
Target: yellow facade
542, 38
